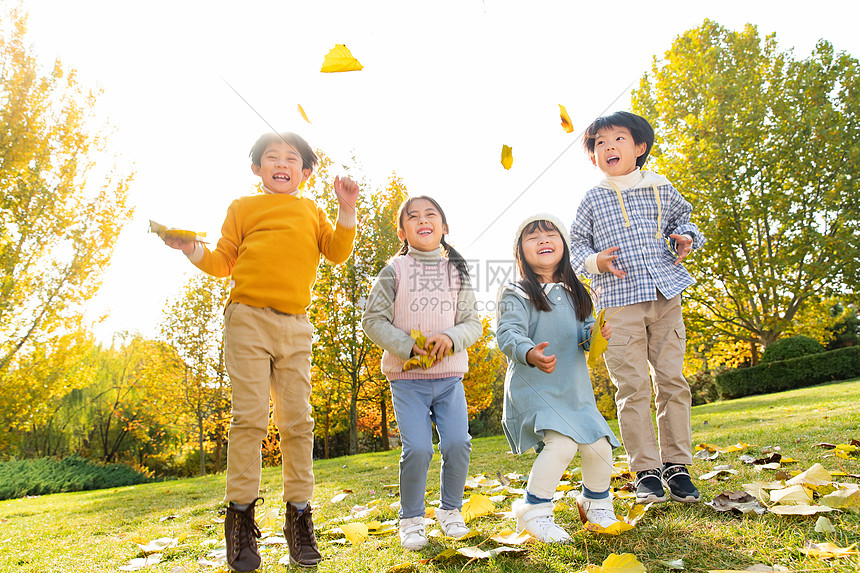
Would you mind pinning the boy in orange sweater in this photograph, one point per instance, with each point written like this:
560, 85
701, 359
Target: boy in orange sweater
271, 245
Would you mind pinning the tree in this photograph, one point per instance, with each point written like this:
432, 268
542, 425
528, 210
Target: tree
193, 324
345, 362
57, 232
767, 148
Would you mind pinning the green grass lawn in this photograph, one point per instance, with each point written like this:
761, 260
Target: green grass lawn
98, 530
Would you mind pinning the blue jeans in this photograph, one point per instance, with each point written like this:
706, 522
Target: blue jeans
416, 404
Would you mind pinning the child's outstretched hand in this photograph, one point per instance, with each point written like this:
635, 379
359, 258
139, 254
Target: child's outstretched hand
347, 191
184, 245
605, 262
539, 360
683, 246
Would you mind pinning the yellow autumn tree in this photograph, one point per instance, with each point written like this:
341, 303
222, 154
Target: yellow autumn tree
57, 226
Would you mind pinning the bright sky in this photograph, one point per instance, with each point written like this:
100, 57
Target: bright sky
445, 84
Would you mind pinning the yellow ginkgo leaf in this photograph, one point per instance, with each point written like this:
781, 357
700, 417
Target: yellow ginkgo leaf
509, 537
304, 115
355, 532
615, 529
828, 550
340, 59
507, 157
843, 498
624, 563
565, 120
598, 343
165, 233
269, 519
799, 509
477, 506
402, 568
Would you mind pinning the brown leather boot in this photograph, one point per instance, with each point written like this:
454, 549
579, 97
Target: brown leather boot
299, 533
241, 533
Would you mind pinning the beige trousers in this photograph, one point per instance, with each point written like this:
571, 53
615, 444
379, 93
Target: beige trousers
651, 333
268, 353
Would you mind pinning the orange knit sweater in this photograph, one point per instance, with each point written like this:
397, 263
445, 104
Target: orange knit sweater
271, 245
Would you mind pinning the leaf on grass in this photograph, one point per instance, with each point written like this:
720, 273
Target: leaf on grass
338, 498
676, 564
823, 525
402, 568
304, 115
616, 528
815, 475
759, 567
598, 343
721, 472
737, 501
269, 519
509, 537
827, 550
794, 495
846, 447
708, 455
773, 458
565, 120
445, 555
356, 532
637, 512
843, 498
477, 506
273, 540
340, 59
735, 448
799, 509
475, 553
708, 447
140, 563
159, 544
624, 563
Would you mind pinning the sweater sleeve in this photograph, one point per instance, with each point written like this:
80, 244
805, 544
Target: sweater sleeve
335, 241
467, 327
220, 262
582, 238
376, 321
513, 326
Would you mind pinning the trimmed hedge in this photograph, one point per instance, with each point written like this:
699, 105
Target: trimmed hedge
791, 347
839, 364
73, 473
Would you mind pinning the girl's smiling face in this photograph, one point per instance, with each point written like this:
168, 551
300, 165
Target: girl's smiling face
281, 168
421, 225
615, 152
542, 249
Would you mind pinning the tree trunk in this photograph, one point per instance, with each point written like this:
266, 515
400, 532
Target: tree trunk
200, 444
386, 444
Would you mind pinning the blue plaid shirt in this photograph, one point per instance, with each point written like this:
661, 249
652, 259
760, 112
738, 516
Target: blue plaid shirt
649, 261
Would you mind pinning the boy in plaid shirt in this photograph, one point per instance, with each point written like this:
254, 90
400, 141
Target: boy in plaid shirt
630, 235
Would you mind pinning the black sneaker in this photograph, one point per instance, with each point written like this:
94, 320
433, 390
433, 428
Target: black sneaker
649, 488
301, 540
677, 480
241, 534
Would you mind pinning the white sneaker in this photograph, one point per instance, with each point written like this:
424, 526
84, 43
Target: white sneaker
452, 523
537, 520
597, 511
412, 534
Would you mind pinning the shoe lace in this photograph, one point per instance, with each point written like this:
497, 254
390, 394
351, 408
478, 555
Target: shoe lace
246, 529
304, 527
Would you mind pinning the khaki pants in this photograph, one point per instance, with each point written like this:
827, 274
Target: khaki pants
642, 334
268, 354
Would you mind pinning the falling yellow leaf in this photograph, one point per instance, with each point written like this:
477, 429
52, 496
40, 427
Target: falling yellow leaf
565, 120
507, 157
828, 550
340, 59
477, 506
165, 233
356, 533
598, 343
304, 115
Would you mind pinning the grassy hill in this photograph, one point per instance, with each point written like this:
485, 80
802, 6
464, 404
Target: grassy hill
100, 530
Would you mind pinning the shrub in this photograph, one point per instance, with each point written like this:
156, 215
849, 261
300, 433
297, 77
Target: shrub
73, 473
791, 347
839, 364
